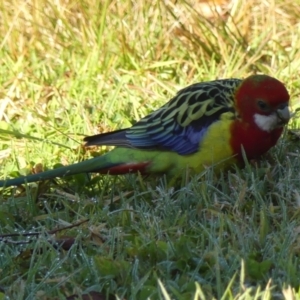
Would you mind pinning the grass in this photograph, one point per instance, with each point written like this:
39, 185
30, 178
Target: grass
74, 68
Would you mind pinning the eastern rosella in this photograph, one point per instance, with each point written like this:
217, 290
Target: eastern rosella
205, 124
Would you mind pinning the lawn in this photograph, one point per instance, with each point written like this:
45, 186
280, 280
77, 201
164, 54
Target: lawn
75, 68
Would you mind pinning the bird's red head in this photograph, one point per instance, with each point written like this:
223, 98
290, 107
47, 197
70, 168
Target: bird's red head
262, 100
261, 104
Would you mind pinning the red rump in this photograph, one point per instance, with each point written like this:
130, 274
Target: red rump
127, 168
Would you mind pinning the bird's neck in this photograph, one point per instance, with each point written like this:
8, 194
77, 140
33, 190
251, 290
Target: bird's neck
252, 139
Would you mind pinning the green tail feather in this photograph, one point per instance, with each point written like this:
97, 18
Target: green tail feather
90, 165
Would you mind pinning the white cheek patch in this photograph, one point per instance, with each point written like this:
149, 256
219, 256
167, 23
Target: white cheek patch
266, 123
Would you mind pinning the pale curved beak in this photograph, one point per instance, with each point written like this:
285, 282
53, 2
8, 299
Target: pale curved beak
283, 114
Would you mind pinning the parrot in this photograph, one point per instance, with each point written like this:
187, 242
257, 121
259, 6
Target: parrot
212, 124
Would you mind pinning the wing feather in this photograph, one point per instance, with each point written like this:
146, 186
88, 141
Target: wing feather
180, 124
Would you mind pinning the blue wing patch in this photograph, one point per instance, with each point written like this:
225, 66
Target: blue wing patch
183, 140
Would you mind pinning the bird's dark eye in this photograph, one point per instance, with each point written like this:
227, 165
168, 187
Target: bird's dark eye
262, 105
